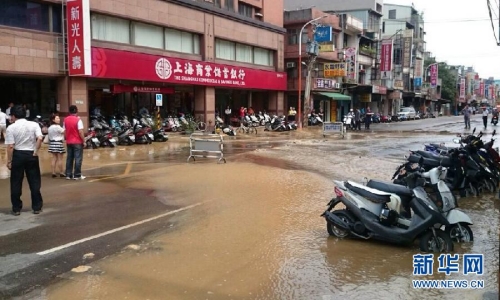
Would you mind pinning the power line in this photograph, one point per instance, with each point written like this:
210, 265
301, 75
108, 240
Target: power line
442, 21
488, 3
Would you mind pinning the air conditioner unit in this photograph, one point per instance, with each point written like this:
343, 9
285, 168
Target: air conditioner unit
337, 85
290, 65
259, 15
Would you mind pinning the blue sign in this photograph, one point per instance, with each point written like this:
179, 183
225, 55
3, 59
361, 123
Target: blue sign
159, 100
418, 81
323, 34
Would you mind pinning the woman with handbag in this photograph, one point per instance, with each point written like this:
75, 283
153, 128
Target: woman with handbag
56, 145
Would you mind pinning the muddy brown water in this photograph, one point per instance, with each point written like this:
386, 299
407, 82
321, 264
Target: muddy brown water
259, 234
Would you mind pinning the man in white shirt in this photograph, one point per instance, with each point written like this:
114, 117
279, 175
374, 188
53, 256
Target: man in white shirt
485, 117
3, 124
24, 139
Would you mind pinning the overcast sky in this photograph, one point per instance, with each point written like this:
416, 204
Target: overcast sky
454, 39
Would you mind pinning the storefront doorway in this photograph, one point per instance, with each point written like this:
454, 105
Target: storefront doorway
39, 94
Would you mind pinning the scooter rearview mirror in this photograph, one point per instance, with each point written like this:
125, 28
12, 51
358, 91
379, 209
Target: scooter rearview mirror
456, 141
473, 131
494, 132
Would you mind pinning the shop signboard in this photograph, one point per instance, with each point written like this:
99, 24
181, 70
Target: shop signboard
351, 64
121, 88
323, 34
109, 63
324, 83
78, 35
462, 89
386, 59
331, 70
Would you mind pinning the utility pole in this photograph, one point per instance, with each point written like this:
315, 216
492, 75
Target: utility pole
312, 50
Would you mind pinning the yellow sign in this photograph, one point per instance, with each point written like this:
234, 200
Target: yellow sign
334, 70
326, 48
365, 98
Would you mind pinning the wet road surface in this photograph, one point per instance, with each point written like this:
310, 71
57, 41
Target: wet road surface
251, 229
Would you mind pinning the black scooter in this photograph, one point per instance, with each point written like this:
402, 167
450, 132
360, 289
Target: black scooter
367, 216
494, 120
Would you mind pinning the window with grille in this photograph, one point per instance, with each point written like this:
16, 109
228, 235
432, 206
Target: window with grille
392, 14
245, 9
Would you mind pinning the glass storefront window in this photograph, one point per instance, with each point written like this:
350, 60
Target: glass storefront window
24, 14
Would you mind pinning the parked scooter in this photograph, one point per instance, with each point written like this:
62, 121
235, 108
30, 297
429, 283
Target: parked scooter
458, 228
367, 216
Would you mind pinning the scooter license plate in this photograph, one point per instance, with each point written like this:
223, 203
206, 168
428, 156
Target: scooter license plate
95, 140
151, 136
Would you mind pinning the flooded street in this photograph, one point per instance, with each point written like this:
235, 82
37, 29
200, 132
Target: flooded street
256, 230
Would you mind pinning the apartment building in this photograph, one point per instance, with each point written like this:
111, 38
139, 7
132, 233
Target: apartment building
364, 87
199, 55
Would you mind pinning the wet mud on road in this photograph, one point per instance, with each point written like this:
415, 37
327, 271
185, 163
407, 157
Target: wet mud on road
258, 234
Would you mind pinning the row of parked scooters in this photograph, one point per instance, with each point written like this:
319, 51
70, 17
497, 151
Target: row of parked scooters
420, 203
253, 121
118, 130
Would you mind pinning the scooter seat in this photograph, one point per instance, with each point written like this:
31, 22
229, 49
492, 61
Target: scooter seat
370, 194
387, 187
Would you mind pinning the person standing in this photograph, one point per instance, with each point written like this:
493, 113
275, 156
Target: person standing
7, 112
24, 139
56, 145
485, 117
357, 119
73, 127
466, 112
3, 124
227, 114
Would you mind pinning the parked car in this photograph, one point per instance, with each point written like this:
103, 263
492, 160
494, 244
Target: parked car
407, 113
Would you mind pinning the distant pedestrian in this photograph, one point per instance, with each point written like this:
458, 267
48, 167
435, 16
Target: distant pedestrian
73, 127
56, 145
24, 139
357, 119
3, 124
7, 112
466, 112
242, 115
227, 114
485, 117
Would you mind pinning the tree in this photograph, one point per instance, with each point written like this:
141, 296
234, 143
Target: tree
448, 81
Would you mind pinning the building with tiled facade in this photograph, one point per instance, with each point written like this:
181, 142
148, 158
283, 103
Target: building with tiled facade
200, 55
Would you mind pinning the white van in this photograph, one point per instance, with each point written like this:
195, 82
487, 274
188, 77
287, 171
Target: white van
407, 113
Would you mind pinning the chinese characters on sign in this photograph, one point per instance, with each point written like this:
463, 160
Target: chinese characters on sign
322, 83
78, 35
407, 50
481, 88
108, 63
386, 59
462, 89
472, 264
350, 59
434, 75
334, 70
201, 72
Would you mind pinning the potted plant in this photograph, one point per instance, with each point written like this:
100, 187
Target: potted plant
189, 127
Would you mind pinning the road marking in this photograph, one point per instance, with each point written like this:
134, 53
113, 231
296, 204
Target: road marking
49, 251
127, 169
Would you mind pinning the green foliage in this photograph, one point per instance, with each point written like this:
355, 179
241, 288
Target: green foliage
448, 80
190, 126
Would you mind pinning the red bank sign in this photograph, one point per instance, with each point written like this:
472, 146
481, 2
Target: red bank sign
115, 64
386, 59
78, 34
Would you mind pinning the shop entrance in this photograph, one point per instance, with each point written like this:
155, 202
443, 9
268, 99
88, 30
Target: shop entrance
235, 99
39, 94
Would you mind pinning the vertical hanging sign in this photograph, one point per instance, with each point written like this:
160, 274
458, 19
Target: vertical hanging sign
386, 59
78, 36
462, 89
434, 75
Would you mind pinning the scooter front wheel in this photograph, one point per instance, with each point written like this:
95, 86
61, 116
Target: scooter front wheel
459, 236
440, 243
335, 230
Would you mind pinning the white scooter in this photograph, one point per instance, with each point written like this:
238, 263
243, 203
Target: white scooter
458, 228
348, 120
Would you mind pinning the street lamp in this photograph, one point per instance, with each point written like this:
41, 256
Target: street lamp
425, 72
300, 68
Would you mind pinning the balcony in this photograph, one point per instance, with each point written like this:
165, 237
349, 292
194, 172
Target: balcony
368, 51
353, 24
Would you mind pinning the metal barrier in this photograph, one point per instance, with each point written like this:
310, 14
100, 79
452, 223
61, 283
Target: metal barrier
206, 145
330, 128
